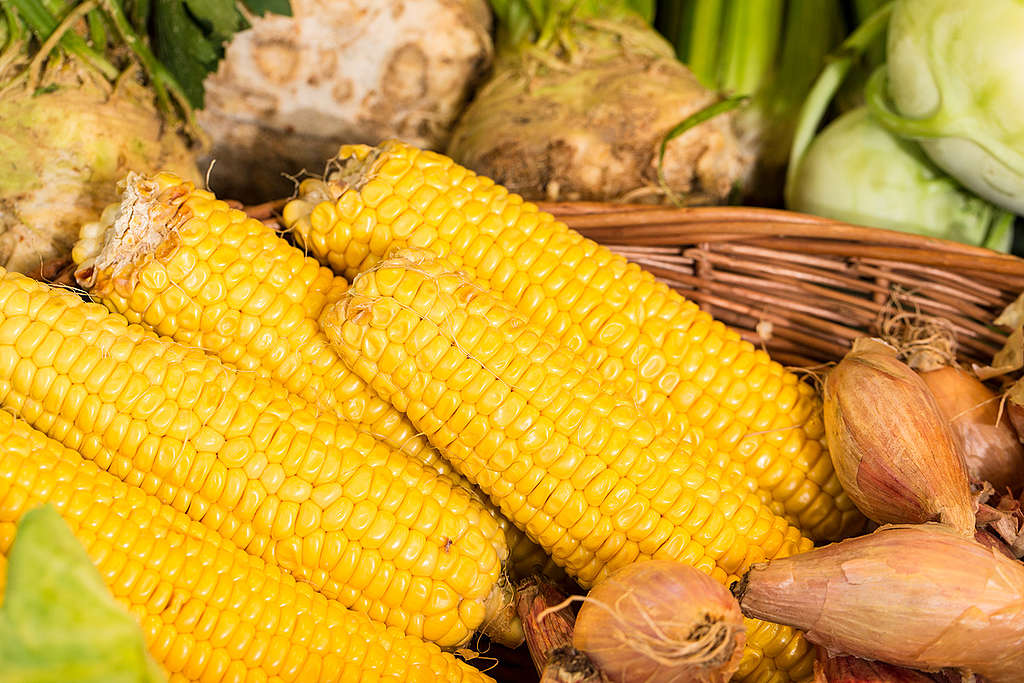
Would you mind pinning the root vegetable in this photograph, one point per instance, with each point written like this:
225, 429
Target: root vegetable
292, 89
660, 621
578, 104
919, 595
88, 92
893, 450
981, 427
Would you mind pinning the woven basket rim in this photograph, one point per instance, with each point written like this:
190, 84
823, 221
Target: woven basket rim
815, 283
656, 224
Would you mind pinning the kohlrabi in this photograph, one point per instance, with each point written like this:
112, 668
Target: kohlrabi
955, 77
858, 172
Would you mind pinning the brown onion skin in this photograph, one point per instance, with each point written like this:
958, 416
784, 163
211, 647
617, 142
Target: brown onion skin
917, 595
848, 669
676, 597
893, 451
987, 440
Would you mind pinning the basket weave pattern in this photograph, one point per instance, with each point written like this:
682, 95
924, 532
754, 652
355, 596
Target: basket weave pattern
803, 287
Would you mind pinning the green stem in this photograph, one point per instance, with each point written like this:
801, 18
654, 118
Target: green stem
706, 36
48, 46
160, 79
97, 31
694, 119
15, 38
43, 24
750, 43
826, 86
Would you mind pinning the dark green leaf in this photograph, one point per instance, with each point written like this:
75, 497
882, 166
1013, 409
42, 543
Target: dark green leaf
261, 7
218, 18
181, 45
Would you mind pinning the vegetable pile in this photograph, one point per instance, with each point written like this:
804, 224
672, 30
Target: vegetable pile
88, 92
405, 422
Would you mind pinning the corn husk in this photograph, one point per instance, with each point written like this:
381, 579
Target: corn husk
893, 451
920, 595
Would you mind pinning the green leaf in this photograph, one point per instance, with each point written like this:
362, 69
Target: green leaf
59, 622
181, 45
189, 36
219, 18
261, 7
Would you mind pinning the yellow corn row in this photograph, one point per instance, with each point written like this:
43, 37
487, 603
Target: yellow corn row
673, 360
332, 505
525, 419
177, 260
208, 610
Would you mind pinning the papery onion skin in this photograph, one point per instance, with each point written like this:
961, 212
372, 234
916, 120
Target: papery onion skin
893, 451
847, 669
682, 603
983, 431
917, 595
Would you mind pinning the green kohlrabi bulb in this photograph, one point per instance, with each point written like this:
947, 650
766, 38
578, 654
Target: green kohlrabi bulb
956, 84
858, 172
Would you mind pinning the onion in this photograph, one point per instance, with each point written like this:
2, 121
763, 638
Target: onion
893, 451
916, 595
847, 669
983, 431
658, 621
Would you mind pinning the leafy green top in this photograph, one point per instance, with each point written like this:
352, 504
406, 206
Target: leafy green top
540, 22
176, 42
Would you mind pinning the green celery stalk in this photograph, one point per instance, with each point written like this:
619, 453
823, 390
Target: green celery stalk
750, 41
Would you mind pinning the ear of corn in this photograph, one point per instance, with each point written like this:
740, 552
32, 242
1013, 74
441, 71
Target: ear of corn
574, 465
188, 266
650, 343
177, 260
208, 610
363, 523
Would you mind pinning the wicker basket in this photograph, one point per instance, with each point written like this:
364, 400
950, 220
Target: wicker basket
800, 286
804, 287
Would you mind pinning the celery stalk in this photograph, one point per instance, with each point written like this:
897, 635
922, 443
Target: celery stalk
705, 38
750, 41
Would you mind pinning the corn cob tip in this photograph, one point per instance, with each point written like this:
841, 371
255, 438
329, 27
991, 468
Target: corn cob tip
143, 220
501, 623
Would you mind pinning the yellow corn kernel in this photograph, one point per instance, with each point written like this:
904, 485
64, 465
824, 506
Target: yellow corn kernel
651, 344
260, 317
629, 468
203, 603
209, 460
263, 319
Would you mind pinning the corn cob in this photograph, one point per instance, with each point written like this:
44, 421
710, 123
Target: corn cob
254, 304
175, 259
675, 361
363, 523
569, 462
208, 610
